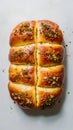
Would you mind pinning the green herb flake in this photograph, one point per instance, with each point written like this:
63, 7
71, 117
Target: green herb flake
49, 102
46, 26
15, 55
24, 71
18, 53
27, 76
55, 59
16, 77
21, 96
25, 27
49, 55
30, 52
48, 34
57, 33
30, 30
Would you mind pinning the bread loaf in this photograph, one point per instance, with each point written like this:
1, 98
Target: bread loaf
36, 72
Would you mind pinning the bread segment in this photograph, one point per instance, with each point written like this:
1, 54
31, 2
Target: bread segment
47, 97
22, 74
22, 94
22, 55
36, 72
48, 31
50, 55
50, 77
23, 34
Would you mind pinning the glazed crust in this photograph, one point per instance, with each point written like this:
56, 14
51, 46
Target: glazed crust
23, 33
23, 95
50, 55
22, 55
48, 97
36, 72
22, 74
48, 31
50, 76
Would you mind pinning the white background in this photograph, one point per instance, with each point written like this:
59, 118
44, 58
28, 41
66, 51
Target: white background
13, 12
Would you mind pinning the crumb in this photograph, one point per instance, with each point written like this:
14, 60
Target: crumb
11, 108
68, 92
66, 45
59, 101
14, 102
63, 31
3, 70
69, 41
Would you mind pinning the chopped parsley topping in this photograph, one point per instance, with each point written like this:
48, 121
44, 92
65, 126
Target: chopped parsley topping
16, 77
24, 71
46, 26
30, 52
18, 53
49, 32
25, 74
54, 57
25, 27
49, 102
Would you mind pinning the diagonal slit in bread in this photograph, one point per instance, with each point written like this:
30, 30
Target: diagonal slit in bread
36, 72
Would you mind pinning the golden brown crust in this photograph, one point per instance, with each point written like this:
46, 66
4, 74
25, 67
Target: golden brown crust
22, 55
23, 33
49, 55
23, 95
22, 74
48, 97
48, 31
36, 72
50, 77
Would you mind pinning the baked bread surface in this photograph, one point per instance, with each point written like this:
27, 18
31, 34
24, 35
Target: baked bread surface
36, 72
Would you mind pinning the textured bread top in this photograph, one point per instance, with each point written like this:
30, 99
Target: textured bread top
40, 31
36, 72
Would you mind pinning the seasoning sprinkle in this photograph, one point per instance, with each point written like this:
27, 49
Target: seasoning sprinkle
25, 27
27, 76
49, 32
24, 71
57, 33
53, 80
18, 53
53, 57
46, 26
49, 102
30, 52
18, 96
16, 77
